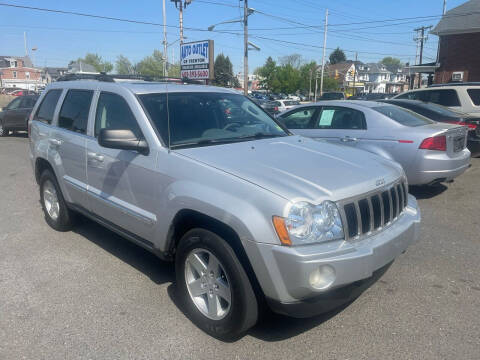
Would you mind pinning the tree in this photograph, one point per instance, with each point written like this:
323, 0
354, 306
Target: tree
392, 64
307, 74
294, 60
151, 65
123, 66
97, 62
337, 56
267, 74
223, 70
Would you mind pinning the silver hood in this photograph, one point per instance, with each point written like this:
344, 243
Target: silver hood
297, 168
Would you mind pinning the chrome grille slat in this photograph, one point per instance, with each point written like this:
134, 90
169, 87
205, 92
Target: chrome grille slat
391, 201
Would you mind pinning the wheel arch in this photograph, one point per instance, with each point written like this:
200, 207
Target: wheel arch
41, 165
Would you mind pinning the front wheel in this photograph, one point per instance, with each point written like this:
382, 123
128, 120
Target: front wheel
212, 285
3, 131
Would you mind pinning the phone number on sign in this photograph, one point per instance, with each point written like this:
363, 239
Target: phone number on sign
195, 74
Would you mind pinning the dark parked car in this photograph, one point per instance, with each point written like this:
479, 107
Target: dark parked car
269, 106
332, 96
440, 113
371, 96
14, 116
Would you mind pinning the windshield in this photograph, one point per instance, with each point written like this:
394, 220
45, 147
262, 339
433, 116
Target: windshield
205, 118
403, 116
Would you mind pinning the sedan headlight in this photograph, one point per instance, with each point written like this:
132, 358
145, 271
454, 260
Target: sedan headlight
307, 223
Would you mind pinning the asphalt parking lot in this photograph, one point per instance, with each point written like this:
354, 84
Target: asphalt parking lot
89, 294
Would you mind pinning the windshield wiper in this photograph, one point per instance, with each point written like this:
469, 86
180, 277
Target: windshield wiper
261, 135
205, 142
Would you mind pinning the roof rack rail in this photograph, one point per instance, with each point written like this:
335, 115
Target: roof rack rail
471, 83
111, 78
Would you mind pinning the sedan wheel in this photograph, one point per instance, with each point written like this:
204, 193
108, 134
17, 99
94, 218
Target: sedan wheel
208, 284
3, 131
50, 199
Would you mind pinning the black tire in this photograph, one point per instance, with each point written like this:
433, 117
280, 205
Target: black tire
3, 131
243, 313
65, 219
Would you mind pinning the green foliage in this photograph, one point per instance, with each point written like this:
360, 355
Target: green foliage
392, 64
151, 65
97, 62
337, 56
123, 66
223, 70
267, 74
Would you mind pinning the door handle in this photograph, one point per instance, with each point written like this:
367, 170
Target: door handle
55, 142
95, 156
348, 139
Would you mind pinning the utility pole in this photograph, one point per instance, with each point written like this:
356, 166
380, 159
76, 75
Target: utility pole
245, 45
165, 57
421, 39
25, 42
323, 57
444, 7
355, 75
310, 88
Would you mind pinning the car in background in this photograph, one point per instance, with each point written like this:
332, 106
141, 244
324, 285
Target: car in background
371, 96
21, 92
440, 113
429, 152
284, 105
302, 97
14, 116
271, 107
274, 96
293, 97
333, 96
464, 97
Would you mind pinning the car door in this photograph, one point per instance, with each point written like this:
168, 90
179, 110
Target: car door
121, 183
21, 117
10, 116
338, 124
68, 144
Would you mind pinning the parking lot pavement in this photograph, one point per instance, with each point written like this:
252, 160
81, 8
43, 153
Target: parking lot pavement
90, 294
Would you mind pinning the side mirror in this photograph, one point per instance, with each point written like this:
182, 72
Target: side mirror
123, 140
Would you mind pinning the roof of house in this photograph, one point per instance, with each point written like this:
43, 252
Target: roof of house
341, 67
462, 19
55, 71
374, 68
5, 60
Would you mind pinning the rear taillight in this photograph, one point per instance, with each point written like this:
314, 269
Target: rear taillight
435, 143
463, 123
276, 108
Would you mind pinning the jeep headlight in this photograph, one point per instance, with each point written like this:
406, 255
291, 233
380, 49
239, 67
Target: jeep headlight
307, 223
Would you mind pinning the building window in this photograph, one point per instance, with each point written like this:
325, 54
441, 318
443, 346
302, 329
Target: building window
14, 74
27, 75
13, 63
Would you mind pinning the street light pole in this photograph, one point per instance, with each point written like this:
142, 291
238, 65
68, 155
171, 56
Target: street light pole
245, 45
165, 58
324, 48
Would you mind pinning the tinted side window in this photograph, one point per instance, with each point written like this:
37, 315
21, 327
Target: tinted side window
447, 97
412, 95
15, 104
47, 108
75, 109
114, 113
298, 119
340, 118
474, 95
28, 102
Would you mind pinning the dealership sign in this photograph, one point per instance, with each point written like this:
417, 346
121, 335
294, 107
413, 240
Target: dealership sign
196, 60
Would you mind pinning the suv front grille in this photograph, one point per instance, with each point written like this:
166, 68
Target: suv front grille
373, 211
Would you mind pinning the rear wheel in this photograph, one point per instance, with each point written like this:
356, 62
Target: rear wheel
3, 131
56, 212
212, 285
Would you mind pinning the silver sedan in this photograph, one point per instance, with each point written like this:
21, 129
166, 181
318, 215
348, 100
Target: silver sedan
429, 152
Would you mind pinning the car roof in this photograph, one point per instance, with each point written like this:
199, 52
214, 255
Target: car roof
143, 87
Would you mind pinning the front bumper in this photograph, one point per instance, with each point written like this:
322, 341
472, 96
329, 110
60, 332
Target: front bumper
290, 267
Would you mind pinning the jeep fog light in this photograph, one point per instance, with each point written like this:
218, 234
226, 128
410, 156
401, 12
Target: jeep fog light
322, 277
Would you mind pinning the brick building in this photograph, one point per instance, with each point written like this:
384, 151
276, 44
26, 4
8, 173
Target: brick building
18, 71
459, 32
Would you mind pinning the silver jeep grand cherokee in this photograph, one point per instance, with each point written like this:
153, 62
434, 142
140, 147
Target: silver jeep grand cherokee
250, 213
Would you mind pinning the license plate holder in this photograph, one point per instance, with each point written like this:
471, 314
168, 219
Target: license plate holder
458, 144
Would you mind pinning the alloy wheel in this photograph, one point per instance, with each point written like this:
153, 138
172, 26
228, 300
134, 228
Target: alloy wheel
208, 284
50, 200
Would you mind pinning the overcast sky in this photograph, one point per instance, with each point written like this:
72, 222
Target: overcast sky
61, 38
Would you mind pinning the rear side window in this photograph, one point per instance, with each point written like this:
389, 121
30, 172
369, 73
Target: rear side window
447, 97
14, 104
28, 102
412, 95
474, 95
75, 109
113, 113
403, 116
47, 107
298, 119
340, 118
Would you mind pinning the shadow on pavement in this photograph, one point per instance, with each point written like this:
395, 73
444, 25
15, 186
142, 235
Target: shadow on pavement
427, 192
158, 271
